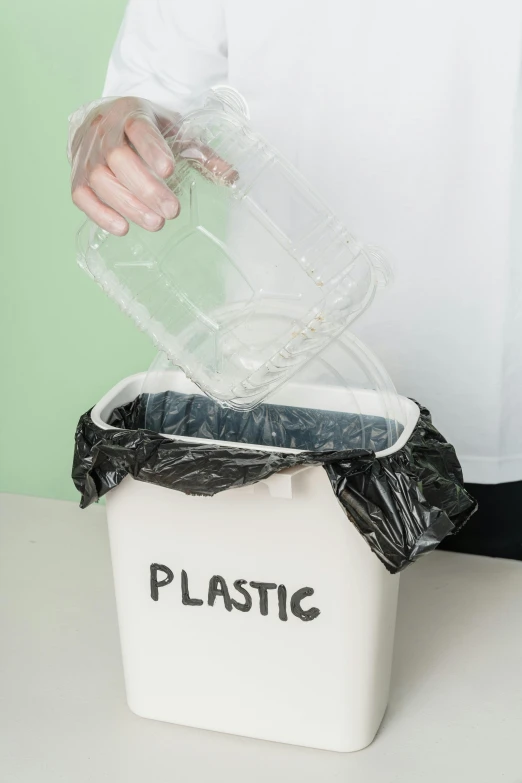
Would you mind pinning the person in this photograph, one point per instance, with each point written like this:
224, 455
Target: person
406, 117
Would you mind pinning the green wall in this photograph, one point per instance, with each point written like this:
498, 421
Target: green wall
62, 342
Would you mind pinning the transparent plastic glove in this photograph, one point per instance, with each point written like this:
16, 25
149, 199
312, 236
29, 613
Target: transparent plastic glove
120, 158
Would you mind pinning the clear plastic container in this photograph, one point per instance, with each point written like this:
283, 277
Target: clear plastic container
252, 279
359, 406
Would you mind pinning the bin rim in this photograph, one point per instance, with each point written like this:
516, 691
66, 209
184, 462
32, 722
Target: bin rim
130, 387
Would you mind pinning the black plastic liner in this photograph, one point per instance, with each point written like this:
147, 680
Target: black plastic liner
403, 504
278, 426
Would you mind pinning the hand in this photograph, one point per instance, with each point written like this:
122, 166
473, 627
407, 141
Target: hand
120, 159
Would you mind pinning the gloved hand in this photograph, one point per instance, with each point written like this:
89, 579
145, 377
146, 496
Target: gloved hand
120, 159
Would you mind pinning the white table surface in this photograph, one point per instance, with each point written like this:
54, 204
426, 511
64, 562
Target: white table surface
455, 713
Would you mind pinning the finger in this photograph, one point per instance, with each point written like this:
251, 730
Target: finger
209, 161
221, 169
116, 195
105, 217
133, 174
150, 145
168, 126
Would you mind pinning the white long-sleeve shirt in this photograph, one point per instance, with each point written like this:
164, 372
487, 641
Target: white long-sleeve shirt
406, 117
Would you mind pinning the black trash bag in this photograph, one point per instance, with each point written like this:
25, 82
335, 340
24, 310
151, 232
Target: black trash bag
403, 504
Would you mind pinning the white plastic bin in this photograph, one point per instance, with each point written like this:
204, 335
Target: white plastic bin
309, 662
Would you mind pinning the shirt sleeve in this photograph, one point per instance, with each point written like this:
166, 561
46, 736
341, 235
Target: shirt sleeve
168, 51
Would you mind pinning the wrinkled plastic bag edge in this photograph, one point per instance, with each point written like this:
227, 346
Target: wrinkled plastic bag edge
403, 504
